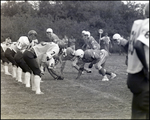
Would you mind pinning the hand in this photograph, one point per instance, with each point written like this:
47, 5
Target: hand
90, 65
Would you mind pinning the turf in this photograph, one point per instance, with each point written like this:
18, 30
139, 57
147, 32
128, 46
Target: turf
85, 98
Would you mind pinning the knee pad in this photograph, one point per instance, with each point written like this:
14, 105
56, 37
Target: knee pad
98, 67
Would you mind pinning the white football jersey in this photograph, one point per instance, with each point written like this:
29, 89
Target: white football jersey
46, 47
144, 38
13, 46
4, 46
134, 64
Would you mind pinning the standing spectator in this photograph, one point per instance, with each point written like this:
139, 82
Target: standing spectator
138, 65
105, 40
72, 42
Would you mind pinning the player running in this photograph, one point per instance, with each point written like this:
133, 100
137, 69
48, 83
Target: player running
97, 58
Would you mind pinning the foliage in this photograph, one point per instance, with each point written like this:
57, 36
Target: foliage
68, 18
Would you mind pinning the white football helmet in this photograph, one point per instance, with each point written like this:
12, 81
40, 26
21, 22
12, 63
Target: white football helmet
83, 32
23, 42
51, 63
49, 30
79, 53
88, 33
116, 36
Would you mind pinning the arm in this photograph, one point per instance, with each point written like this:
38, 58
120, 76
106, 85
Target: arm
139, 47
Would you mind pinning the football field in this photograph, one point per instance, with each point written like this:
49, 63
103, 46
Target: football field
85, 98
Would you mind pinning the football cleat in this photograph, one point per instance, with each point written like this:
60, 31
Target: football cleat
113, 75
105, 78
59, 78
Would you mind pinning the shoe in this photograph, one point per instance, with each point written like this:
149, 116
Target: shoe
7, 73
105, 78
113, 75
33, 89
41, 81
60, 78
39, 93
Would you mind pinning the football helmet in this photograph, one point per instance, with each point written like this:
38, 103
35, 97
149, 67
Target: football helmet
22, 42
79, 53
32, 32
116, 36
49, 30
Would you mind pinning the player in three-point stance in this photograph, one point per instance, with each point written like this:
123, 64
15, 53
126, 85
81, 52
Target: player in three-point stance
48, 50
97, 58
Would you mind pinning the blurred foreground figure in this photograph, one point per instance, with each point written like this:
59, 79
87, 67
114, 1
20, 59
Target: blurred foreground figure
138, 65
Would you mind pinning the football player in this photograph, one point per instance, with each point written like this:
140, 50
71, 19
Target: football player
138, 65
89, 41
5, 61
69, 55
97, 58
52, 36
48, 49
10, 52
32, 38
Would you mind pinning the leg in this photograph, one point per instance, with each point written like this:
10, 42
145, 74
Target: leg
23, 67
62, 66
139, 86
54, 74
9, 54
30, 59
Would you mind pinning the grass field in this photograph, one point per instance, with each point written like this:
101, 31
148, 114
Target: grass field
85, 98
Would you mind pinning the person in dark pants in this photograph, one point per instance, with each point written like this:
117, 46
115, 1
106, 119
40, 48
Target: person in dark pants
48, 50
32, 38
105, 41
138, 65
9, 54
4, 60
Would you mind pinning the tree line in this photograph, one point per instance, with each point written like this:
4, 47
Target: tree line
68, 18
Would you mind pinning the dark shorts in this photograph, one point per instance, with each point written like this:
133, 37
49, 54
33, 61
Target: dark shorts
21, 62
9, 54
30, 59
